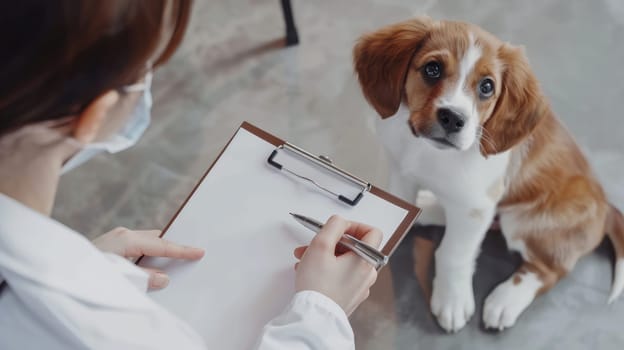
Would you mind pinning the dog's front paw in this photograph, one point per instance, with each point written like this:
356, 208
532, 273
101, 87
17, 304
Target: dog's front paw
505, 304
452, 303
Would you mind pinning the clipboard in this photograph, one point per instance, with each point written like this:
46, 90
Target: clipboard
239, 213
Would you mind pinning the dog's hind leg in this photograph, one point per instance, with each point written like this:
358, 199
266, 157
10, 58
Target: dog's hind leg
548, 256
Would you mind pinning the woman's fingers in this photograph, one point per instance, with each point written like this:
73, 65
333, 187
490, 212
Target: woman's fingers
324, 243
150, 245
369, 234
358, 229
157, 279
133, 244
153, 233
299, 251
372, 238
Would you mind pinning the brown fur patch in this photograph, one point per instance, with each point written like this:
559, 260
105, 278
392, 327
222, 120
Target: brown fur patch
487, 66
422, 109
520, 106
554, 193
382, 58
446, 44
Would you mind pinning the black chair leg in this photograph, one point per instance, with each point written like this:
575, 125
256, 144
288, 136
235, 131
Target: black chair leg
292, 38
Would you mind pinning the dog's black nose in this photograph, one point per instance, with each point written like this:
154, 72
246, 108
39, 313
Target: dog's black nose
450, 120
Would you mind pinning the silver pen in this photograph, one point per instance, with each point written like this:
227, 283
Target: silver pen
363, 250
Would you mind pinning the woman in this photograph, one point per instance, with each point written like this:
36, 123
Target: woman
74, 81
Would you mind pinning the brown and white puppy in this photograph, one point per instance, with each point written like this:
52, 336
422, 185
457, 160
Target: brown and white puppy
470, 124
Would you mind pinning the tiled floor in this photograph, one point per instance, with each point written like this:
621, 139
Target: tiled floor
230, 69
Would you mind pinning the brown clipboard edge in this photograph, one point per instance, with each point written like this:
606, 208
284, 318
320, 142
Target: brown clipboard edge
388, 249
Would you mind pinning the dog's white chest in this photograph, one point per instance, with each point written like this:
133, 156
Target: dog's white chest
449, 174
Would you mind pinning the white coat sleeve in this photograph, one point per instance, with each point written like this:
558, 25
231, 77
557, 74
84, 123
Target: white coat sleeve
312, 321
63, 293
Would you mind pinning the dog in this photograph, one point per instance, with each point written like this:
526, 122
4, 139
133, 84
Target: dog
463, 116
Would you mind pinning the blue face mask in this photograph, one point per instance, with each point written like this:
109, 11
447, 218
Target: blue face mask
124, 138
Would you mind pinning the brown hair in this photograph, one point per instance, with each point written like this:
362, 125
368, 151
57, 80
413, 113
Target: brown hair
59, 55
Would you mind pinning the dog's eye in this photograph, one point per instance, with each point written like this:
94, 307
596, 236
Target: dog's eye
432, 71
486, 88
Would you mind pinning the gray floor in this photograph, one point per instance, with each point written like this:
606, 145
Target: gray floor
230, 69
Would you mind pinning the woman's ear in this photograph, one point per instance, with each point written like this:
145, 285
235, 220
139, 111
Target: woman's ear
381, 61
91, 119
520, 106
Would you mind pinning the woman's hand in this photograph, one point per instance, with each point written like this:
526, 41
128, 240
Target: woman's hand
345, 278
134, 244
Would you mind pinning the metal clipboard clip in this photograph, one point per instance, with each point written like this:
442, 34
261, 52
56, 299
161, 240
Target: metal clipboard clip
324, 163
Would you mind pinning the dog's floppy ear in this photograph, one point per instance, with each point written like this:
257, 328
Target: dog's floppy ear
520, 106
381, 61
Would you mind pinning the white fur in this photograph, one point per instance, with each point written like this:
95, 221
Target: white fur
509, 300
618, 281
431, 212
452, 301
460, 181
511, 227
461, 98
513, 243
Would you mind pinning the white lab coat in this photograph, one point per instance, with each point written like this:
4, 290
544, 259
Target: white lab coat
63, 293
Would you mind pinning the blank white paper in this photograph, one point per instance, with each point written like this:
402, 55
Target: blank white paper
240, 215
